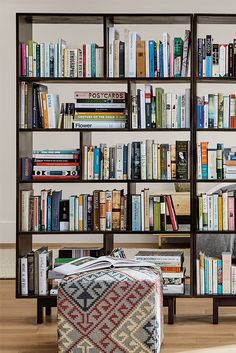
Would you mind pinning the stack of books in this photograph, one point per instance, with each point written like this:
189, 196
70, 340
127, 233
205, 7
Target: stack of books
216, 60
217, 211
102, 211
143, 160
171, 264
76, 252
149, 213
134, 57
52, 164
216, 163
216, 111
100, 110
216, 275
56, 60
160, 110
34, 267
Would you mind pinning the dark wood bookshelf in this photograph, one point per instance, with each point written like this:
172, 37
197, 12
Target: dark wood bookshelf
105, 130
109, 232
216, 181
127, 181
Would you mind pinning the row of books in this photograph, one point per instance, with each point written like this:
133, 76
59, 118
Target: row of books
171, 264
216, 163
216, 111
101, 211
48, 164
57, 60
216, 275
100, 109
36, 265
216, 212
160, 110
134, 57
216, 60
149, 212
141, 160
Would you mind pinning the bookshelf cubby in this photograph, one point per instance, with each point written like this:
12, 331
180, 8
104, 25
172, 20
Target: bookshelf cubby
25, 137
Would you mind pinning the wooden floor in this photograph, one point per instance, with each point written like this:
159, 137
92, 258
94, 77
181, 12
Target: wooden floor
192, 332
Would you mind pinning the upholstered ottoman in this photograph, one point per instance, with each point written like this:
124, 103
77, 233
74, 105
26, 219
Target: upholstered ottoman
111, 311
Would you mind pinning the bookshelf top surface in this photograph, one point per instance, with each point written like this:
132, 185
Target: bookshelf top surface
76, 18
216, 18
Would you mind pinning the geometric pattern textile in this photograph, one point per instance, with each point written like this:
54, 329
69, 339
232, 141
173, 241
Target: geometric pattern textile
118, 310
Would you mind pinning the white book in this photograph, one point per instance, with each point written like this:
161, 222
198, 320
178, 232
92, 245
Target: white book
210, 211
133, 37
233, 280
42, 59
149, 157
85, 163
34, 59
80, 70
183, 111
187, 107
168, 165
24, 275
126, 37
226, 61
226, 272
211, 164
46, 60
147, 57
155, 159
88, 66
173, 110
173, 288
53, 108
166, 54
210, 275
204, 68
198, 276
116, 69
56, 60
204, 207
205, 111
76, 213
226, 112
129, 160
54, 167
215, 212
214, 276
22, 105
143, 163
202, 273
26, 196
142, 211
112, 35
42, 271
99, 62
61, 48
142, 109
222, 55
168, 110
72, 213
199, 161
119, 161
216, 109
225, 210
82, 124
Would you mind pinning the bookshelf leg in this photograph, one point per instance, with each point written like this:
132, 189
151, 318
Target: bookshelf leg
171, 311
39, 312
48, 310
174, 306
215, 311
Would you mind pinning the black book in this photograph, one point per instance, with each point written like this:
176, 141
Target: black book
122, 59
234, 63
90, 213
148, 106
39, 89
136, 161
112, 170
30, 265
64, 215
230, 59
139, 107
181, 160
164, 148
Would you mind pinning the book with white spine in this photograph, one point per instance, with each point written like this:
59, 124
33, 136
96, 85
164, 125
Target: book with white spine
155, 160
24, 275
233, 279
214, 276
143, 163
226, 112
99, 62
133, 37
222, 57
210, 211
90, 163
142, 211
211, 163
168, 110
210, 275
43, 273
119, 161
112, 35
85, 163
205, 111
166, 54
215, 212
226, 272
225, 210
142, 109
146, 210
198, 276
88, 60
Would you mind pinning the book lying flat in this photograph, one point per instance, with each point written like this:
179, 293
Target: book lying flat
85, 264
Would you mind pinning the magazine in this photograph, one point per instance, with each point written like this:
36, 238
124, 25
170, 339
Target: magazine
88, 263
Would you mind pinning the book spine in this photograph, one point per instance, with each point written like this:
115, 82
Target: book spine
102, 210
43, 273
108, 199
136, 212
24, 276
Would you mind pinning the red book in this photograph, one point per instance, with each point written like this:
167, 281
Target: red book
69, 164
84, 60
231, 110
171, 211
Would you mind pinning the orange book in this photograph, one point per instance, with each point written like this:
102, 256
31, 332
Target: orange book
44, 109
171, 269
204, 159
140, 58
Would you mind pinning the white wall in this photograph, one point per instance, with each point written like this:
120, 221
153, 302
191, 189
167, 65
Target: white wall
8, 8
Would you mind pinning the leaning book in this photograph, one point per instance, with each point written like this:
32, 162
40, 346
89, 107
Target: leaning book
85, 264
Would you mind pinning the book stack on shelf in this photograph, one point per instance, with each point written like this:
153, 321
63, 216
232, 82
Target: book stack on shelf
134, 57
216, 275
141, 160
216, 60
171, 264
102, 211
150, 212
103, 109
51, 164
216, 111
160, 110
216, 163
216, 212
57, 60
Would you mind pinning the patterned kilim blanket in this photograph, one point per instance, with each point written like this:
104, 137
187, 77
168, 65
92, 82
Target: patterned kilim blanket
111, 311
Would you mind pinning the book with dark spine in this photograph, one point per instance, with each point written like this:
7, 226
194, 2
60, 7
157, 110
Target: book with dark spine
116, 198
112, 168
56, 198
230, 60
90, 213
181, 160
122, 59
26, 168
164, 148
163, 212
30, 267
96, 218
64, 215
136, 162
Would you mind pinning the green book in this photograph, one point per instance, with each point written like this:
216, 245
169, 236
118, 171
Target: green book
178, 52
159, 92
63, 260
30, 57
156, 213
37, 60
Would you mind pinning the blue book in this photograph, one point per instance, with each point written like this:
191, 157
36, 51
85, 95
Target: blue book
56, 198
206, 275
200, 57
219, 276
96, 162
93, 60
27, 66
151, 58
49, 213
136, 212
200, 113
208, 56
51, 60
161, 60
125, 161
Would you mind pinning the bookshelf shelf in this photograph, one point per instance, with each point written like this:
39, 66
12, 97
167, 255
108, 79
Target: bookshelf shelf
109, 232
217, 130
102, 181
105, 130
216, 80
216, 181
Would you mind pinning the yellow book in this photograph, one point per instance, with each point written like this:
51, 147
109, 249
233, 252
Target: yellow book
220, 213
80, 212
65, 62
158, 162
